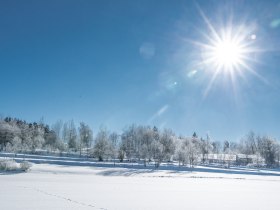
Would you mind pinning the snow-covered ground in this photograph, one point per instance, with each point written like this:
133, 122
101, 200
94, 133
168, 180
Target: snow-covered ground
51, 186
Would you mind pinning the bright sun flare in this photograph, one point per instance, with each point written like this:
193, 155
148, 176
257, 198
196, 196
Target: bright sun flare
227, 53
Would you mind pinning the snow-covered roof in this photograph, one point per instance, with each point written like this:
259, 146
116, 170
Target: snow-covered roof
231, 157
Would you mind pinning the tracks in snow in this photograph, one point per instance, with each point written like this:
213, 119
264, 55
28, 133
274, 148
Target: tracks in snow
62, 197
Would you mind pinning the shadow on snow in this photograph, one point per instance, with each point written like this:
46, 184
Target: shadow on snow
136, 168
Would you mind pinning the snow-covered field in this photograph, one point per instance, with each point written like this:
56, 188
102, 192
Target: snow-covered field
50, 186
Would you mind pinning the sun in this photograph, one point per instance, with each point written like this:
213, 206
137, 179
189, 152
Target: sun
227, 54
226, 51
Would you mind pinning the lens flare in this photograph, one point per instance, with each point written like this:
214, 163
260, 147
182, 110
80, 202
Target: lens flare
228, 50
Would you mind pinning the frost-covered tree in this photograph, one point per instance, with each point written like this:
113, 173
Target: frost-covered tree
205, 147
101, 149
64, 133
158, 153
51, 139
37, 137
14, 146
181, 151
147, 138
85, 137
26, 137
167, 139
192, 146
114, 146
57, 128
164, 147
216, 147
20, 135
226, 146
129, 143
269, 150
251, 143
72, 136
277, 154
6, 134
248, 144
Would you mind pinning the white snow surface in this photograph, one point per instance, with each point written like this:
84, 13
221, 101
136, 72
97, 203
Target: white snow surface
49, 186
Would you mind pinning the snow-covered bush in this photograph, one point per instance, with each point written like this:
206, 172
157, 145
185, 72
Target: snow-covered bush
8, 165
11, 165
25, 165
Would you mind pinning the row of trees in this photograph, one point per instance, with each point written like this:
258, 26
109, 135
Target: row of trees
135, 143
19, 136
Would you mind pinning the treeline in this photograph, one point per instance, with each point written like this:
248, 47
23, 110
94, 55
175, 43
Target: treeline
135, 143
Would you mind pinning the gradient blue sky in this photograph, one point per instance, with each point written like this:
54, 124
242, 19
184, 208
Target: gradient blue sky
114, 63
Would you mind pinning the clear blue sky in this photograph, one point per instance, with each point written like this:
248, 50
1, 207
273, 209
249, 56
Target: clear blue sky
114, 63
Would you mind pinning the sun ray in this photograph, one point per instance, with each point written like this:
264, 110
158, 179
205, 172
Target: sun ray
210, 26
210, 84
